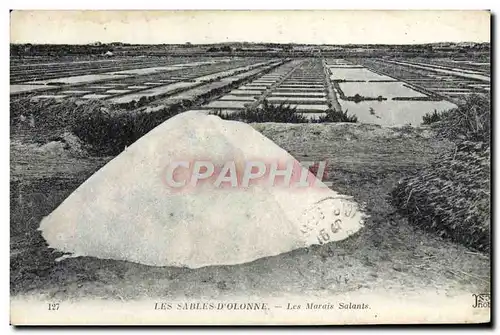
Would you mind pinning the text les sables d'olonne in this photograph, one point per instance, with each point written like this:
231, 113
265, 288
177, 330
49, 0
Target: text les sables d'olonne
257, 306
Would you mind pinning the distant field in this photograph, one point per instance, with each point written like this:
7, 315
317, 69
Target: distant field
382, 91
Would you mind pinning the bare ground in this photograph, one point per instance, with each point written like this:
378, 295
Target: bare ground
365, 161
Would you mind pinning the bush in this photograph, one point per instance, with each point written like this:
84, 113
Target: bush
430, 118
283, 112
451, 196
357, 98
109, 133
53, 114
471, 120
332, 115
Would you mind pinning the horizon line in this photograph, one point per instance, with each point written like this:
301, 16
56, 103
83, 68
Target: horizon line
236, 42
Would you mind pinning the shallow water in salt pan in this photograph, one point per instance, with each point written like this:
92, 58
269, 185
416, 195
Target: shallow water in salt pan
95, 96
238, 97
373, 90
17, 88
297, 100
227, 104
394, 113
304, 94
356, 74
75, 92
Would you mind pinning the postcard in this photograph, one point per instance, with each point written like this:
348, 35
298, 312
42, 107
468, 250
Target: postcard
250, 167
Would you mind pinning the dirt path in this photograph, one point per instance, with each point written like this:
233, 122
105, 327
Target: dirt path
332, 96
365, 161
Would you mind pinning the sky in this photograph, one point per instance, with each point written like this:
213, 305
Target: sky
204, 27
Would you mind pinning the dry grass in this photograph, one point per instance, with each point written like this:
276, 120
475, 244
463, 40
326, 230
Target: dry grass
267, 113
430, 118
470, 121
452, 196
333, 115
284, 113
110, 133
104, 130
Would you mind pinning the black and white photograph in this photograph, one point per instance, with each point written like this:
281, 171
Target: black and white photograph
250, 167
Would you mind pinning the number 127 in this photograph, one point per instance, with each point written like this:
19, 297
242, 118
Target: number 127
54, 306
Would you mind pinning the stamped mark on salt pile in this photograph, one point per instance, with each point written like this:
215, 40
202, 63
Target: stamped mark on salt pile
330, 219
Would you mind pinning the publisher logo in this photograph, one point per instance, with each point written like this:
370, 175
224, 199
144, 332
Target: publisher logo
481, 300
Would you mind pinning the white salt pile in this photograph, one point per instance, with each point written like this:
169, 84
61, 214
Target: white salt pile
126, 210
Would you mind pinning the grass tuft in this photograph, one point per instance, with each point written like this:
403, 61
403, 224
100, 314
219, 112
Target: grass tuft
430, 118
471, 120
283, 113
332, 115
452, 195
